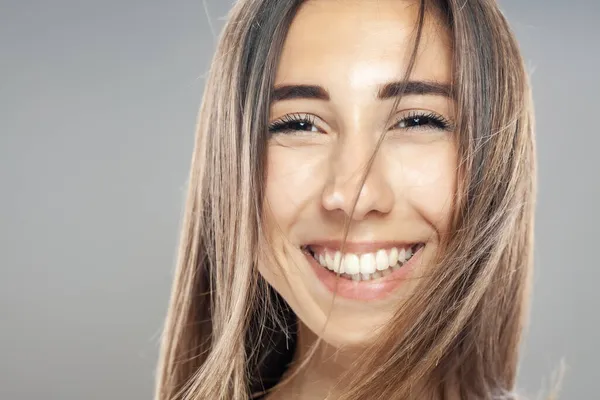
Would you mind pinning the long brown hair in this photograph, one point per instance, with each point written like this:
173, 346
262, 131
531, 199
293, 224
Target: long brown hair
460, 332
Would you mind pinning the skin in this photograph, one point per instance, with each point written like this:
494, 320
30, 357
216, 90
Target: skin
351, 49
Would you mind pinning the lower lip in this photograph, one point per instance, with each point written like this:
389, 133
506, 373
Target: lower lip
373, 289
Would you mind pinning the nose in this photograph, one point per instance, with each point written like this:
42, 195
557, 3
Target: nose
348, 167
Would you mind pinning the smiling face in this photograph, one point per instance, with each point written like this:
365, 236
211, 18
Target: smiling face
334, 93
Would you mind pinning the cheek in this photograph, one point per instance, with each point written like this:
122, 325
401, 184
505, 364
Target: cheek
293, 182
429, 177
290, 187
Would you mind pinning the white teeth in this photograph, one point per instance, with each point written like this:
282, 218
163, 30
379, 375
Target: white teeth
402, 256
382, 260
322, 260
393, 259
337, 261
365, 266
367, 263
329, 260
351, 264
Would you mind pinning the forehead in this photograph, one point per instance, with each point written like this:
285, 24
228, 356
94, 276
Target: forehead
361, 43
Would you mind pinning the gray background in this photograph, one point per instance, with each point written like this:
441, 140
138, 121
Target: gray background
98, 103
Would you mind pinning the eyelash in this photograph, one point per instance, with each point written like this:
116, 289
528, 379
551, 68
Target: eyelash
434, 119
285, 123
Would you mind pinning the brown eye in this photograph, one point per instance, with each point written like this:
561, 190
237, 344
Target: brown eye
293, 123
295, 126
423, 121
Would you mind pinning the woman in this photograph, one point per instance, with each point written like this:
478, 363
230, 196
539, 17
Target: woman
360, 211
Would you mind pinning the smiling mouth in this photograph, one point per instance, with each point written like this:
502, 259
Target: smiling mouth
364, 266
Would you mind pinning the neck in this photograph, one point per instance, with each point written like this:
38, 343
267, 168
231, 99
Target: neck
320, 377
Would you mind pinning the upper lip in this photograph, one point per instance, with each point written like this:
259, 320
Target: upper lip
360, 247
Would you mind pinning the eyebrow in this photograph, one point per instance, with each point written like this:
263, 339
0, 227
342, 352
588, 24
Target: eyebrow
394, 89
388, 90
289, 92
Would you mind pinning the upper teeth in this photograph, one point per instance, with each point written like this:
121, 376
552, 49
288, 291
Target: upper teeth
366, 263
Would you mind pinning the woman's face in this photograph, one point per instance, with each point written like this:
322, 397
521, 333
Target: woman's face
334, 91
